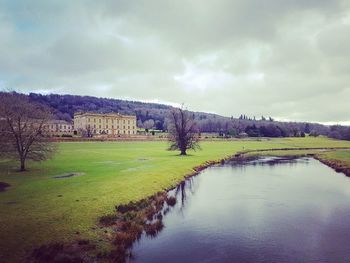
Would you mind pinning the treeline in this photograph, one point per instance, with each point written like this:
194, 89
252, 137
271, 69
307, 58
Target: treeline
261, 128
155, 116
339, 132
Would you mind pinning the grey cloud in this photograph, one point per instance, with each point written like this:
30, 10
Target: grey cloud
288, 59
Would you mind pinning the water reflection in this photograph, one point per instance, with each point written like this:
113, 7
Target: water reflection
267, 210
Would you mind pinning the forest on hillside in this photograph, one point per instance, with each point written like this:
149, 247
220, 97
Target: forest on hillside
155, 116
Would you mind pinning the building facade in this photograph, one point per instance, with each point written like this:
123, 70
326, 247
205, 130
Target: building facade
58, 127
113, 124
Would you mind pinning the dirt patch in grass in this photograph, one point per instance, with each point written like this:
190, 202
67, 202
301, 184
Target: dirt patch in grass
3, 186
67, 175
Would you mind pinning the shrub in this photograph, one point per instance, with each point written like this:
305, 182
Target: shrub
149, 212
108, 220
124, 239
126, 208
171, 201
118, 255
153, 229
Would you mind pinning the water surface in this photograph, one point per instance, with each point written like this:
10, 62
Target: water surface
263, 211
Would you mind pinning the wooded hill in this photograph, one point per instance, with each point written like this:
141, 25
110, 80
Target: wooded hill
155, 116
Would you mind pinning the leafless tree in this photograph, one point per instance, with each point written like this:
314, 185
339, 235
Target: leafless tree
149, 124
183, 134
22, 129
88, 131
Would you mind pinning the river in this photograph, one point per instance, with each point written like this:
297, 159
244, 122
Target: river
265, 210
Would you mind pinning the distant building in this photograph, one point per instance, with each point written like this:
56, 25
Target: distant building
58, 127
113, 124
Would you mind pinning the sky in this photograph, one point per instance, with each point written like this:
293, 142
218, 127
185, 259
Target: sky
289, 59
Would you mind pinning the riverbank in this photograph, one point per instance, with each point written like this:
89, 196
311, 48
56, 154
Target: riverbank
264, 208
338, 160
124, 245
41, 207
126, 225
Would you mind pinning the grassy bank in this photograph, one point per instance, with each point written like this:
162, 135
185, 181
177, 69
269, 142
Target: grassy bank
342, 156
338, 160
38, 208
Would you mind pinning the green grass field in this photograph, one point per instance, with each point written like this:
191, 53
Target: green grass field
38, 209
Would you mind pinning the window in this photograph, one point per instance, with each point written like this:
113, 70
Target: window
94, 125
129, 127
106, 126
124, 127
124, 121
94, 120
129, 132
99, 120
106, 120
88, 119
99, 127
128, 121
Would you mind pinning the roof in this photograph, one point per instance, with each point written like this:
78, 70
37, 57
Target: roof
113, 114
59, 122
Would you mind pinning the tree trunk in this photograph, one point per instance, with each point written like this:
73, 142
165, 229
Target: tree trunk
22, 165
183, 152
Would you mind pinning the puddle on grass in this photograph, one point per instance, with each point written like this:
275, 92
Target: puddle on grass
67, 175
3, 186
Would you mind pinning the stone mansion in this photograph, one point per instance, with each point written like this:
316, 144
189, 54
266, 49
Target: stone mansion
89, 124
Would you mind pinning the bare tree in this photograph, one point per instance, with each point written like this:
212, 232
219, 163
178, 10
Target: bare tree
22, 129
149, 124
183, 134
88, 131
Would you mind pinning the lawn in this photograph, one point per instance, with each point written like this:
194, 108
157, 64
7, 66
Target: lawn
39, 209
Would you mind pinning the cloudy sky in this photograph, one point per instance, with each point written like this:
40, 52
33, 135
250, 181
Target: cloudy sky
286, 58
